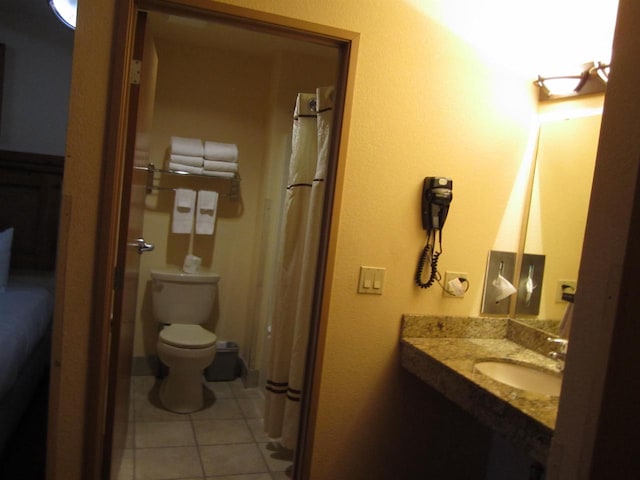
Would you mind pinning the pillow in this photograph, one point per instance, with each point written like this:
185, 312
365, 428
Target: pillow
6, 237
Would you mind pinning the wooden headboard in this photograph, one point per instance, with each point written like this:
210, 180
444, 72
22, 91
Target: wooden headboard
30, 190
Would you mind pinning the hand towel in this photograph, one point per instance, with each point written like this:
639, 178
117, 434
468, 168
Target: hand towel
217, 166
206, 212
222, 152
186, 160
183, 211
213, 173
185, 168
187, 146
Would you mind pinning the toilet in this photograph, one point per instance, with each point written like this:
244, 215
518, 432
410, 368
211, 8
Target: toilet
182, 302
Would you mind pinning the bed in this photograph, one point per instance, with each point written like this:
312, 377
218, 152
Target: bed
25, 347
30, 187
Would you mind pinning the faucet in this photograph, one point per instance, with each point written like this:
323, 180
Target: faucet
560, 353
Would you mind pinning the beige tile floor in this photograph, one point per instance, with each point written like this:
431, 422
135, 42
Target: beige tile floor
224, 441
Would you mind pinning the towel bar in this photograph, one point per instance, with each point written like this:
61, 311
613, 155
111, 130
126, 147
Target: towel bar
234, 188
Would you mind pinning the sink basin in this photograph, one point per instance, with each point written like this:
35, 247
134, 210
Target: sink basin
522, 376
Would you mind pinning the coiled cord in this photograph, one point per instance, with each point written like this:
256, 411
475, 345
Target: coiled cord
429, 255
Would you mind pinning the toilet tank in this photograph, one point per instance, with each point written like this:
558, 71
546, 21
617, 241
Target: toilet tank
185, 298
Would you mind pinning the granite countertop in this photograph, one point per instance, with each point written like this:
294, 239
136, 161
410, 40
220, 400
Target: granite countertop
441, 351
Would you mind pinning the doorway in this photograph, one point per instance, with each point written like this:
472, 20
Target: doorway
220, 81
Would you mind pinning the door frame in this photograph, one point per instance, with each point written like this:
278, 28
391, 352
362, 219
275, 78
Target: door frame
112, 192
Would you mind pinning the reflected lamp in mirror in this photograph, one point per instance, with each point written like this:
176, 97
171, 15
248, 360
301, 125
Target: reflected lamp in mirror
589, 79
66, 11
601, 70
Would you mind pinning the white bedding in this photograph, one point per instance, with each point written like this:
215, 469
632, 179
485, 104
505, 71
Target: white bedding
25, 314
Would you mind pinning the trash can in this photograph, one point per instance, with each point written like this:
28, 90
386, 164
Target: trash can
225, 365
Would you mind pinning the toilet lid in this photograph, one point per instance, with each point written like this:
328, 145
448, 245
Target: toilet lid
187, 336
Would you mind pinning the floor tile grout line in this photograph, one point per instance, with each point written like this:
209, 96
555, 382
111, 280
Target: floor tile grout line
195, 437
132, 425
132, 415
246, 419
253, 435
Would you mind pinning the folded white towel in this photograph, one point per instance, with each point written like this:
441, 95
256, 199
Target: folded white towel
217, 166
184, 202
213, 173
186, 160
187, 146
185, 168
223, 152
206, 212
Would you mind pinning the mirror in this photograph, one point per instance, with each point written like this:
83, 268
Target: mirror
558, 208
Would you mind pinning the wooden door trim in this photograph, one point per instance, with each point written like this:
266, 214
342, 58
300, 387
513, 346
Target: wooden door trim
253, 19
107, 239
122, 250
326, 254
112, 189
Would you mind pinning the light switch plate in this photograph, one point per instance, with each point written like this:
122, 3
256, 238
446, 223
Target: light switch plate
371, 280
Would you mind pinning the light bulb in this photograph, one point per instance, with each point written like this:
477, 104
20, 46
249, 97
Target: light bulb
66, 11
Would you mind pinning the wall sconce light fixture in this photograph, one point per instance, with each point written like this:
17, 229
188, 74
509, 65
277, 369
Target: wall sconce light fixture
591, 79
66, 11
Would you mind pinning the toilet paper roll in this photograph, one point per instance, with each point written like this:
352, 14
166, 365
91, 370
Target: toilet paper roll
191, 264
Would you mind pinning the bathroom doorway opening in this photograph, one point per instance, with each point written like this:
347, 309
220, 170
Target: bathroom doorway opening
261, 63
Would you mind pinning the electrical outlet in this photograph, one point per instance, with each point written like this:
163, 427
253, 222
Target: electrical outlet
572, 284
457, 289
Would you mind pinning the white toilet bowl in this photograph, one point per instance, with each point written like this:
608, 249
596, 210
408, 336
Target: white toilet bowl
182, 302
187, 350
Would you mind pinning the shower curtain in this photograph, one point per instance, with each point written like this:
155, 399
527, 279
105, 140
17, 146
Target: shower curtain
297, 262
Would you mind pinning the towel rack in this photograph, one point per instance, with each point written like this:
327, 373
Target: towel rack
234, 187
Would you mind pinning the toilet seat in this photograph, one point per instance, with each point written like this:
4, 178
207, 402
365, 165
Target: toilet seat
187, 336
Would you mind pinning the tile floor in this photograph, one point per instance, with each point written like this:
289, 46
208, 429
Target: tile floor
224, 441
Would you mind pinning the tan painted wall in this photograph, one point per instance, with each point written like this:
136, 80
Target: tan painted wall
73, 313
425, 102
